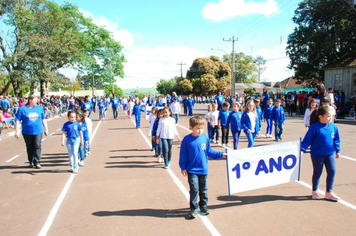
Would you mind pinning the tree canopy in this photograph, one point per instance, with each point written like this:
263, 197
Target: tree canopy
325, 32
245, 68
44, 37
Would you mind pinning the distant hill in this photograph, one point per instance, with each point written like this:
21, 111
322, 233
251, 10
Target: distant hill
147, 91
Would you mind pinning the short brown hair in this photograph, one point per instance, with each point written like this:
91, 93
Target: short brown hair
196, 120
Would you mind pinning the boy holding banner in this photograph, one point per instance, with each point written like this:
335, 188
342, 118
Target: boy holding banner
193, 161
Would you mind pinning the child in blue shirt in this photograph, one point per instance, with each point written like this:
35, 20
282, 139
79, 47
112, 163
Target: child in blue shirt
250, 123
190, 103
82, 150
101, 107
278, 118
193, 161
234, 120
158, 147
222, 119
267, 115
73, 131
324, 141
137, 109
259, 113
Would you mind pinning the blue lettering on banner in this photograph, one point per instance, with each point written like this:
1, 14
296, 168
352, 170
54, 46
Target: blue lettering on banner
277, 165
285, 164
288, 162
261, 166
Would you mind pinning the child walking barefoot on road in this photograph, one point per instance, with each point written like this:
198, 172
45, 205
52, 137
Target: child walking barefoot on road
324, 140
193, 161
73, 131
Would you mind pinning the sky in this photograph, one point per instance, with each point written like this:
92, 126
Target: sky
158, 35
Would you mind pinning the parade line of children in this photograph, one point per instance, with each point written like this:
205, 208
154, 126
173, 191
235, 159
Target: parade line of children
195, 147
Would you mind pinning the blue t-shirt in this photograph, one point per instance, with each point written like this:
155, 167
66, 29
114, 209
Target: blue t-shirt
234, 120
5, 104
85, 131
87, 105
72, 129
267, 112
223, 115
194, 153
324, 139
278, 115
219, 99
31, 119
115, 102
101, 106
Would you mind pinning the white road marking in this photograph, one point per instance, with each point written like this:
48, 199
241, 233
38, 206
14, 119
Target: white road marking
59, 201
185, 192
12, 158
58, 129
322, 192
348, 158
307, 185
43, 139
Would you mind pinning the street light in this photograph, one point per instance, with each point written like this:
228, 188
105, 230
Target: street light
232, 90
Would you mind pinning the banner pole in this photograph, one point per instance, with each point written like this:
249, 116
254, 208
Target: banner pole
227, 170
300, 156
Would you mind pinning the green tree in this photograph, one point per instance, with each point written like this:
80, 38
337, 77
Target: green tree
250, 91
245, 68
260, 65
45, 37
108, 90
167, 86
207, 75
186, 86
325, 32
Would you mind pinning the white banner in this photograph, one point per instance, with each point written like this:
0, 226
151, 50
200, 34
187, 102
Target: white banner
147, 111
259, 167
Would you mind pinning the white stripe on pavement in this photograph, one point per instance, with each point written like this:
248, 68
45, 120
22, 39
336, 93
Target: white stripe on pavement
322, 192
59, 201
12, 158
185, 192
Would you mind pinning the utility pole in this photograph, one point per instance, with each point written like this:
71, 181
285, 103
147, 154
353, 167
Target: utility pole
181, 69
232, 91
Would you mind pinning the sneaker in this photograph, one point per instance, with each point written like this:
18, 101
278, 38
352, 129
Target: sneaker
168, 163
193, 213
331, 196
75, 171
81, 163
223, 145
165, 166
204, 211
38, 166
266, 135
71, 170
315, 195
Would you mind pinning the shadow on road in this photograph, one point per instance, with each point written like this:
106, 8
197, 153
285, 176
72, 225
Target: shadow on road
161, 213
245, 200
130, 150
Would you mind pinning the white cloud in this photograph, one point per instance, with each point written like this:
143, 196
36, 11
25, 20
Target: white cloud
120, 35
227, 9
145, 67
277, 62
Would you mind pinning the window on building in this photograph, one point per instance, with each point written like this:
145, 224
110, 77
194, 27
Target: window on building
338, 82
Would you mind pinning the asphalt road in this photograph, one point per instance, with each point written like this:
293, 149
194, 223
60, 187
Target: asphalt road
122, 190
